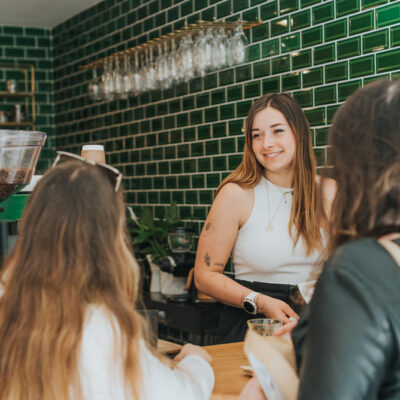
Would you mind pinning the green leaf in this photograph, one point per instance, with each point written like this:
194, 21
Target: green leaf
153, 234
146, 218
171, 215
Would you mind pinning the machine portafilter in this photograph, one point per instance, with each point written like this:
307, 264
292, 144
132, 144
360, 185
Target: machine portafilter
178, 264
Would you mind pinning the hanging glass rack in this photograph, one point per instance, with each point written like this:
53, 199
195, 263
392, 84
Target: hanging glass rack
187, 29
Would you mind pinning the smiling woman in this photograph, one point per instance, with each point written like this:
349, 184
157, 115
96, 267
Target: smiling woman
274, 145
269, 216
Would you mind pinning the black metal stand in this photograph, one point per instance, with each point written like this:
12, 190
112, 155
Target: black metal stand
185, 321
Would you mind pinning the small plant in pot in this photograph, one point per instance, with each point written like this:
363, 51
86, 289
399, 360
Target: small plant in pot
151, 234
150, 237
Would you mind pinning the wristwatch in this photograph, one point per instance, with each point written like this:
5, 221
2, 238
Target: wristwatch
249, 305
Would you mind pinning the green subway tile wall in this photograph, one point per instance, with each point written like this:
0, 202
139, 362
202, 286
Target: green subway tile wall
178, 144
32, 46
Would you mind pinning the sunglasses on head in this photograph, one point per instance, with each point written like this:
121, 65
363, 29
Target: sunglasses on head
113, 174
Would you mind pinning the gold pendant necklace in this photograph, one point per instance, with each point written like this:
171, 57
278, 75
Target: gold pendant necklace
270, 227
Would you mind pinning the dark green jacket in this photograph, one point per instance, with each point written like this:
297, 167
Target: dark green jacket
348, 339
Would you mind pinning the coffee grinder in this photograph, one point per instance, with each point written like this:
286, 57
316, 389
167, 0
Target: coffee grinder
175, 268
19, 153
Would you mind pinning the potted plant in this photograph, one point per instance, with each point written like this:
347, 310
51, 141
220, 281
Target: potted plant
150, 236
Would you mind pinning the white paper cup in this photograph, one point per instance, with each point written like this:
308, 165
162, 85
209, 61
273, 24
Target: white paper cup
94, 152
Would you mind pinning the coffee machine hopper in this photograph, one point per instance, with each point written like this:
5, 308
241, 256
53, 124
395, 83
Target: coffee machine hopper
19, 153
179, 263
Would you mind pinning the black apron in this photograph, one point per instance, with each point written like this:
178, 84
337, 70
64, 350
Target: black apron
232, 325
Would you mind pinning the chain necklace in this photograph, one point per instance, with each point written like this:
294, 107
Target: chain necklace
270, 227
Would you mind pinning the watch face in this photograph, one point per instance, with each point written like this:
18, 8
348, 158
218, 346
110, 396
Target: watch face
248, 306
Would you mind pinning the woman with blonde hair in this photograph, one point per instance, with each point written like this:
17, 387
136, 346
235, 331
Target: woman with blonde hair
69, 328
267, 215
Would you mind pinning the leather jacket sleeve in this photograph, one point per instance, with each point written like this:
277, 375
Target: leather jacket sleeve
345, 352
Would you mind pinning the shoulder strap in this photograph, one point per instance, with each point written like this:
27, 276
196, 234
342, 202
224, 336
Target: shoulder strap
392, 248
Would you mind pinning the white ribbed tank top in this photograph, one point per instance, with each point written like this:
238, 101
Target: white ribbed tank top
263, 256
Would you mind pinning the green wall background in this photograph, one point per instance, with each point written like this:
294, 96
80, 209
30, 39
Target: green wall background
33, 46
178, 144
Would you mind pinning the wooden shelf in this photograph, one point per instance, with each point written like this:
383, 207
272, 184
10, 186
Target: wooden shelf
16, 124
16, 94
24, 74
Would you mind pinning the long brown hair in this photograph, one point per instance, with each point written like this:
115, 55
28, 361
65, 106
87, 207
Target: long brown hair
365, 150
71, 252
307, 209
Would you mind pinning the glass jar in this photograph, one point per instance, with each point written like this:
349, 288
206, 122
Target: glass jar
12, 86
18, 113
3, 116
180, 239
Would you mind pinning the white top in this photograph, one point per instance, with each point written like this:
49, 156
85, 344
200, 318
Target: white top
101, 368
268, 256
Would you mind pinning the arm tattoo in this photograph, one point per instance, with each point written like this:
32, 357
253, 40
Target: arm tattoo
218, 264
208, 228
207, 259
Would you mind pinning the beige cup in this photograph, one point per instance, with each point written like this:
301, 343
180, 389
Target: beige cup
94, 152
264, 326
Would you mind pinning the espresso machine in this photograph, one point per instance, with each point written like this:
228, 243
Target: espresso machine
176, 267
19, 153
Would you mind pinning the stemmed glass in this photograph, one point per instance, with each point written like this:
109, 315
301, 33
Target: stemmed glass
126, 87
143, 71
162, 70
107, 82
137, 84
199, 60
94, 86
151, 71
239, 45
159, 67
220, 49
185, 59
230, 59
180, 60
212, 49
189, 71
117, 79
208, 45
165, 67
172, 64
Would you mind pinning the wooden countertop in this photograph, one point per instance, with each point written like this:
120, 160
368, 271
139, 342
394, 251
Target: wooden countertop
166, 347
229, 377
227, 359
